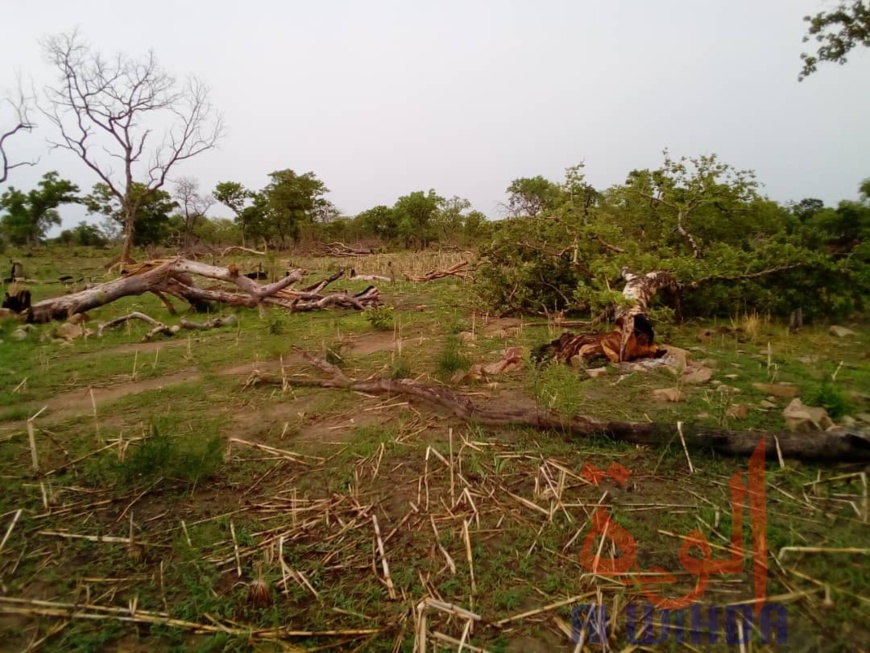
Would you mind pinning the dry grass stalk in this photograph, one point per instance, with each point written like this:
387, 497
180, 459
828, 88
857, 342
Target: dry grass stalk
467, 538
96, 418
463, 645
444, 552
107, 539
386, 568
685, 448
12, 526
822, 549
289, 455
546, 608
236, 549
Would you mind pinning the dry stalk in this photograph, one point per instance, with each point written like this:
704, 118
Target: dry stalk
12, 525
386, 568
467, 539
236, 549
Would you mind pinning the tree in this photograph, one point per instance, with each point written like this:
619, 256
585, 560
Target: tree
234, 196
192, 204
20, 122
379, 222
107, 111
528, 196
29, 216
415, 216
153, 217
83, 234
838, 31
292, 201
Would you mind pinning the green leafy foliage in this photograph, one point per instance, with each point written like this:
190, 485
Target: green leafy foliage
837, 31
380, 317
28, 216
152, 224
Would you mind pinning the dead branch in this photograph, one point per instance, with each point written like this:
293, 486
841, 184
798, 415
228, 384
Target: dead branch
824, 447
235, 248
459, 270
340, 249
160, 328
21, 123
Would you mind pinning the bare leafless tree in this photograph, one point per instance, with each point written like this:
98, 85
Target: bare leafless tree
193, 206
20, 122
127, 113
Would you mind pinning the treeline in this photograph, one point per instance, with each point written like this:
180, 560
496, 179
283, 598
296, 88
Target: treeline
291, 210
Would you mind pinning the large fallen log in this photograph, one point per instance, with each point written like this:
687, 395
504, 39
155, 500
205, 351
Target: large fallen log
825, 446
175, 277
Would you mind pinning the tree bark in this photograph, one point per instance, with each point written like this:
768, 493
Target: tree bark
825, 446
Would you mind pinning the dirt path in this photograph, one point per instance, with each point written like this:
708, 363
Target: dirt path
79, 402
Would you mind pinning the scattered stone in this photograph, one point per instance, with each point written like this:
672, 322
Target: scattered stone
697, 375
799, 417
19, 334
500, 334
732, 376
842, 332
709, 362
767, 405
467, 336
863, 417
595, 372
728, 388
849, 421
677, 357
68, 331
808, 360
668, 394
703, 416
738, 411
778, 389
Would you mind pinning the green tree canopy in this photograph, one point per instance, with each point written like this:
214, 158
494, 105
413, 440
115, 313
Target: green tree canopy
837, 31
152, 223
292, 201
29, 216
529, 196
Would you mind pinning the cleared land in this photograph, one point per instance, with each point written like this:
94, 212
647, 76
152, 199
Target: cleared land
174, 507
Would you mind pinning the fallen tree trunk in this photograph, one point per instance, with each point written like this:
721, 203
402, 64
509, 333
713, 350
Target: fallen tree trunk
633, 337
824, 446
174, 277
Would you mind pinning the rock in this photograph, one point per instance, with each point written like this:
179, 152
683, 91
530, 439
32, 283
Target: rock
19, 334
808, 360
709, 362
678, 357
467, 336
841, 332
732, 376
863, 417
668, 394
69, 331
805, 418
738, 411
500, 334
767, 405
705, 336
695, 375
849, 421
595, 372
728, 388
778, 389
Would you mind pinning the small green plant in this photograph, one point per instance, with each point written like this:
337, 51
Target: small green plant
832, 399
452, 358
401, 368
558, 388
163, 456
381, 318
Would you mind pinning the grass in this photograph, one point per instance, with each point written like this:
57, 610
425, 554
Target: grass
336, 458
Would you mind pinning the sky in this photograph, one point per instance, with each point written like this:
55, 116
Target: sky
380, 98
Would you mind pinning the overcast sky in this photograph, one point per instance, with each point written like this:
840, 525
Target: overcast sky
380, 98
